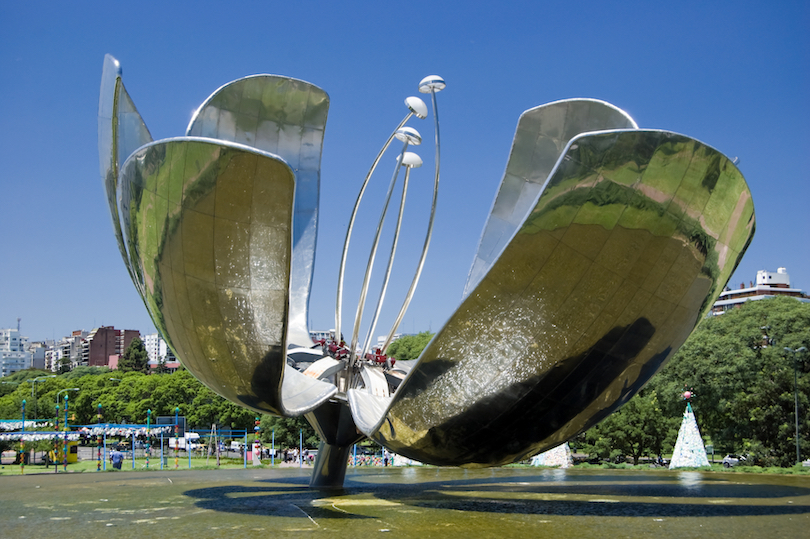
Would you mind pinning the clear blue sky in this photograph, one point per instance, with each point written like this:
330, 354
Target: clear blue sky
732, 74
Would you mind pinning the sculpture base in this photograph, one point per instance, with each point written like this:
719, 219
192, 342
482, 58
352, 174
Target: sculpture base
330, 466
335, 426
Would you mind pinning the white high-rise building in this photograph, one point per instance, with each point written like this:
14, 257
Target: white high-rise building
14, 354
769, 285
152, 345
157, 349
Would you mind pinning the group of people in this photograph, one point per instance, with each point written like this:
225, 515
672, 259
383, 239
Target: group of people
293, 455
387, 459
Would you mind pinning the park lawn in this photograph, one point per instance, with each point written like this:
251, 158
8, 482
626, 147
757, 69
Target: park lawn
140, 465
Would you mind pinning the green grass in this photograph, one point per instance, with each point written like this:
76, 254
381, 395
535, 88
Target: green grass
140, 466
90, 466
797, 469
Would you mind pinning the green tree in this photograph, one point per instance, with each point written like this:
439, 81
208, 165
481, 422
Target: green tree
409, 346
25, 374
7, 387
206, 408
161, 367
638, 429
287, 431
64, 365
83, 370
744, 379
134, 358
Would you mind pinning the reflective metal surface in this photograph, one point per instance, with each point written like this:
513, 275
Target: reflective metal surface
605, 246
121, 130
207, 230
208, 226
632, 238
541, 135
286, 117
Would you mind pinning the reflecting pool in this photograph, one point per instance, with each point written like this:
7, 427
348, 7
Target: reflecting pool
407, 502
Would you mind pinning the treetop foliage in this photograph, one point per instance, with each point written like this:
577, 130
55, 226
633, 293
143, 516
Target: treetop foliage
736, 363
743, 379
125, 397
135, 358
409, 346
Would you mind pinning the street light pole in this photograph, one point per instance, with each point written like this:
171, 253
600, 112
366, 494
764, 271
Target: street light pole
56, 440
64, 445
62, 391
22, 441
98, 436
796, 396
177, 438
148, 421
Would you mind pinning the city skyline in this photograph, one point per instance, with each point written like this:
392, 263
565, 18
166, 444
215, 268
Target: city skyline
733, 76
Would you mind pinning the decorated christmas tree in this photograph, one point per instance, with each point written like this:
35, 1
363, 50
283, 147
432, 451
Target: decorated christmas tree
689, 450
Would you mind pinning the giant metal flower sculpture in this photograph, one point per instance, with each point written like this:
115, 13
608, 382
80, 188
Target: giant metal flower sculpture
605, 246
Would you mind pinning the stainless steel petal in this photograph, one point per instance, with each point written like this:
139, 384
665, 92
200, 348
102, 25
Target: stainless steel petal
286, 117
209, 228
541, 135
633, 237
121, 131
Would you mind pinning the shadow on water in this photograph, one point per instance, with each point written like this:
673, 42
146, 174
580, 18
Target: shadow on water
281, 499
552, 492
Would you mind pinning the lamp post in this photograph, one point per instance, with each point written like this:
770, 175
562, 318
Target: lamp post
148, 422
177, 438
98, 465
34, 390
64, 390
22, 441
56, 440
801, 349
64, 445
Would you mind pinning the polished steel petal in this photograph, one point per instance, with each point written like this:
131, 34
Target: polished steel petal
630, 241
542, 134
121, 131
209, 232
286, 117
605, 246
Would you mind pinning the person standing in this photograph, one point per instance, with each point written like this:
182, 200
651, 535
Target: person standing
117, 459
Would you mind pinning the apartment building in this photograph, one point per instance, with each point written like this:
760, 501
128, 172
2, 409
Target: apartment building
768, 285
14, 354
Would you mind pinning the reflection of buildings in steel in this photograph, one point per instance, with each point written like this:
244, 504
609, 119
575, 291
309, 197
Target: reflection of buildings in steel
605, 245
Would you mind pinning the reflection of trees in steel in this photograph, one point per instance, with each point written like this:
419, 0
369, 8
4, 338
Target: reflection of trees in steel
551, 399
605, 245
